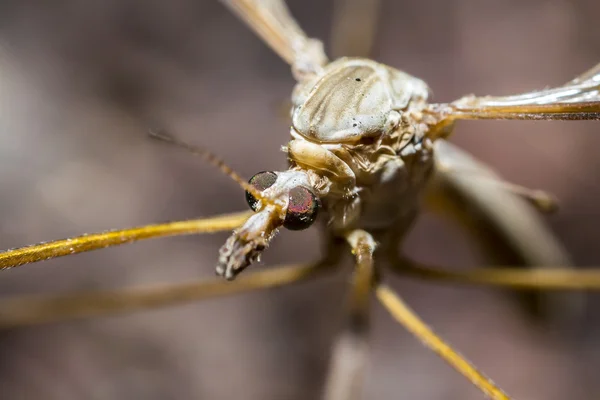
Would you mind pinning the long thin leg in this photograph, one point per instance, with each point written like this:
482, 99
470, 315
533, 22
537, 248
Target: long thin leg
503, 228
541, 200
32, 310
513, 278
409, 319
272, 22
44, 251
354, 28
350, 351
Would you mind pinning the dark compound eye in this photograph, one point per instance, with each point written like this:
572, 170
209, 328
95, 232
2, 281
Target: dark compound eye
302, 210
261, 181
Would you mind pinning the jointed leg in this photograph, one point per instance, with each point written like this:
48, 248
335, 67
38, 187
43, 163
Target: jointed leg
350, 351
503, 227
543, 201
44, 251
405, 316
32, 310
513, 278
354, 28
272, 22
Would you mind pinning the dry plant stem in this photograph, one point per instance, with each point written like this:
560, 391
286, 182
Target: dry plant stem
80, 244
350, 351
409, 319
23, 311
518, 279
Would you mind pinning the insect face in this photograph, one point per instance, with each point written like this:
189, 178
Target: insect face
291, 202
302, 203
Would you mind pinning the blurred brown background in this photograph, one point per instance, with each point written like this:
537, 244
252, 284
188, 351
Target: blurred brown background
80, 81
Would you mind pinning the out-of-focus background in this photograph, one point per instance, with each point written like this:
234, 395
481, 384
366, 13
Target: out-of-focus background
80, 82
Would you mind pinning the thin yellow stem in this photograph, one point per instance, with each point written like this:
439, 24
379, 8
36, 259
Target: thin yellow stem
44, 251
518, 279
409, 319
22, 311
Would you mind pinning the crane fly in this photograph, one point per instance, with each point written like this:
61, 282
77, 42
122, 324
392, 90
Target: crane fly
366, 150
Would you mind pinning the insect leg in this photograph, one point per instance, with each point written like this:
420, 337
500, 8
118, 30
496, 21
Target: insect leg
541, 200
272, 22
513, 278
503, 227
354, 27
350, 351
33, 310
44, 251
409, 319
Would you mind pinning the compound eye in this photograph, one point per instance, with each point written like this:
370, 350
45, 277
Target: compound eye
303, 207
261, 181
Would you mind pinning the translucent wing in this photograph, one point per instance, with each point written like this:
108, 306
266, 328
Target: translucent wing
578, 99
272, 22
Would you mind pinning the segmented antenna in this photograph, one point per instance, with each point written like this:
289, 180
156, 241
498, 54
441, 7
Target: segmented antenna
213, 159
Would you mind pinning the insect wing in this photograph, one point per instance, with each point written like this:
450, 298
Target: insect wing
578, 99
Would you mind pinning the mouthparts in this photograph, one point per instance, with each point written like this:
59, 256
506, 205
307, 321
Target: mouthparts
245, 245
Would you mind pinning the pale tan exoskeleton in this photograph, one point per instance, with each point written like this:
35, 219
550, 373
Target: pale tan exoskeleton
365, 146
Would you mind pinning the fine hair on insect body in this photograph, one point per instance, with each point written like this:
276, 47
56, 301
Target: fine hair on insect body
367, 147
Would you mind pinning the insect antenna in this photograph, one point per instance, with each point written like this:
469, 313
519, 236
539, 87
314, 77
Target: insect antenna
211, 158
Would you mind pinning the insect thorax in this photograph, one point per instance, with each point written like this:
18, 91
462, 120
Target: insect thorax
358, 126
353, 99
